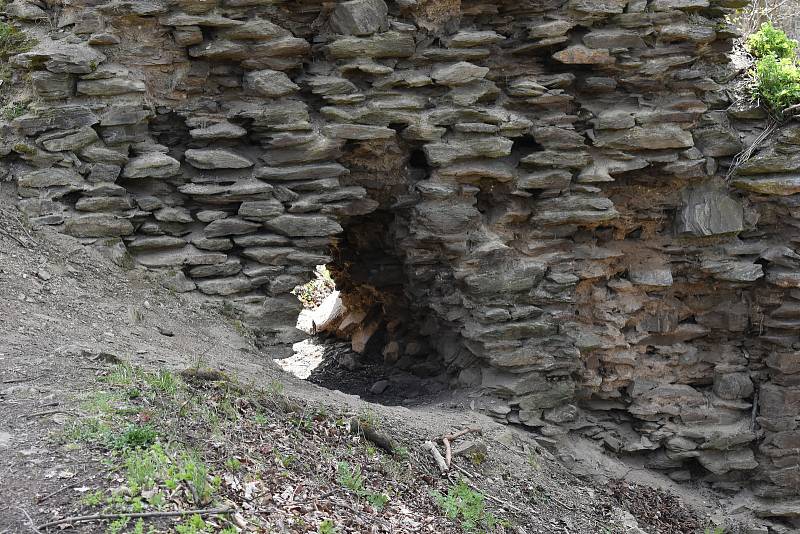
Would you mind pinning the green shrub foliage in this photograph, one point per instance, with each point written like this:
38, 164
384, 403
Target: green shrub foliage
777, 71
771, 41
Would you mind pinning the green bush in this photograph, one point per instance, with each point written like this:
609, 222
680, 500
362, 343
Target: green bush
777, 72
771, 41
777, 82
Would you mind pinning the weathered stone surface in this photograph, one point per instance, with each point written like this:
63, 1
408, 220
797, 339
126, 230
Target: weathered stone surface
261, 210
304, 172
175, 214
68, 140
581, 55
98, 225
383, 45
60, 57
53, 86
110, 87
269, 83
663, 136
216, 159
222, 130
709, 212
441, 154
50, 178
303, 225
178, 282
229, 226
359, 17
458, 73
249, 189
781, 184
358, 132
151, 165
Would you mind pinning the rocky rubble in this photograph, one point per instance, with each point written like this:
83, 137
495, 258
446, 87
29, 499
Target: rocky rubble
533, 192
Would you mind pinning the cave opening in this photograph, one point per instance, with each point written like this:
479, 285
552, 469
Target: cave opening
364, 337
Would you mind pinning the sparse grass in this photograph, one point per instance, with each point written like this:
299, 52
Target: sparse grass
467, 506
13, 41
137, 436
122, 375
163, 381
171, 442
137, 315
233, 464
145, 467
12, 110
351, 478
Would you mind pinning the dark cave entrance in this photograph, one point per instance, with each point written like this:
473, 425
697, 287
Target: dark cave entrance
364, 335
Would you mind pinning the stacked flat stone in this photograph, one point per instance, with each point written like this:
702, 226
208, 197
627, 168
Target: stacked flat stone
554, 171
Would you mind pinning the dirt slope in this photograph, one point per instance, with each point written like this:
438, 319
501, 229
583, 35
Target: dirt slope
69, 315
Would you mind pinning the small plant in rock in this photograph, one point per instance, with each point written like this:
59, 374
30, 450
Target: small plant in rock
312, 293
327, 527
14, 110
467, 506
777, 82
776, 77
13, 41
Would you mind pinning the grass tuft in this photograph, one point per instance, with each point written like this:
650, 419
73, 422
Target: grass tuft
467, 506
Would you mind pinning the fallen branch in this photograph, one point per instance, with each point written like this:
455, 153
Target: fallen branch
360, 427
464, 471
100, 517
30, 524
65, 488
15, 238
47, 412
431, 446
447, 438
17, 380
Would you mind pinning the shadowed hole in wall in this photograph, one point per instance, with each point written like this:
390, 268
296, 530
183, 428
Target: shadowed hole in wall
363, 339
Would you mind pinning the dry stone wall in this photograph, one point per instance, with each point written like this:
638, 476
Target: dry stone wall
546, 181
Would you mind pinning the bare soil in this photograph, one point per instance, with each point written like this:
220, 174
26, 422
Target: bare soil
69, 316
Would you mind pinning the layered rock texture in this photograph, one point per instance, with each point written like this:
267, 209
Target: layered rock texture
530, 194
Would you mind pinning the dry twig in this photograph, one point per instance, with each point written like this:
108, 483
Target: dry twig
30, 522
100, 517
437, 456
447, 438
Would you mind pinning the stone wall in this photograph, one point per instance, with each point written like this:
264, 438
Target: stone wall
541, 183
